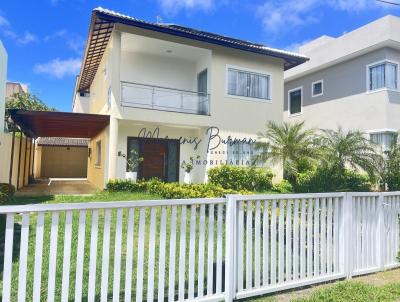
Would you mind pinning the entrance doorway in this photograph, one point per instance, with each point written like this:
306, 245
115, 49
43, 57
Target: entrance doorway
160, 158
154, 154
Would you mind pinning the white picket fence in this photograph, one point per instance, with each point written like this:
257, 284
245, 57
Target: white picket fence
196, 249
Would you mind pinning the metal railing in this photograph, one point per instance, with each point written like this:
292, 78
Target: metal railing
164, 98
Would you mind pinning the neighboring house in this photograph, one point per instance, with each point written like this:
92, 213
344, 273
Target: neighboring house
165, 85
351, 81
15, 87
3, 79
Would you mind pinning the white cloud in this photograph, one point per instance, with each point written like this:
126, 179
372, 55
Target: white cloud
26, 38
172, 7
7, 31
294, 47
74, 41
59, 68
278, 15
4, 22
58, 34
352, 5
283, 15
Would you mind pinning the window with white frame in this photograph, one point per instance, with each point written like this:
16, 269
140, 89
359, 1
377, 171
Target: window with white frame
382, 75
295, 101
98, 153
248, 84
384, 139
241, 153
317, 88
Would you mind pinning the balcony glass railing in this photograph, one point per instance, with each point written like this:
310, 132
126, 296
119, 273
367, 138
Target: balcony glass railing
163, 98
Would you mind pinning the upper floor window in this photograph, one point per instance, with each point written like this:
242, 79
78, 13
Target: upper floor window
295, 101
317, 88
382, 75
248, 84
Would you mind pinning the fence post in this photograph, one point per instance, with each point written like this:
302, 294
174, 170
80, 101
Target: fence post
381, 252
230, 250
346, 235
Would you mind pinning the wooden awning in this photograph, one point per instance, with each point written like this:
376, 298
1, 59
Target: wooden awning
59, 124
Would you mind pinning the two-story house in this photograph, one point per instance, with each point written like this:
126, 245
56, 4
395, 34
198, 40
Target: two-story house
351, 81
175, 93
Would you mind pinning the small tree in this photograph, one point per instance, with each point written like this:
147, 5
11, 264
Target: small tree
289, 144
342, 150
25, 101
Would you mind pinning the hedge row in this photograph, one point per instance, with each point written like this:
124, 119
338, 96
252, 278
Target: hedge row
171, 190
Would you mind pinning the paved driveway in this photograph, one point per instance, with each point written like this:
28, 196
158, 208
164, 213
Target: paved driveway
57, 186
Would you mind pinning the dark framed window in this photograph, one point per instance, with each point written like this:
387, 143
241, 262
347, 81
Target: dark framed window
295, 101
317, 88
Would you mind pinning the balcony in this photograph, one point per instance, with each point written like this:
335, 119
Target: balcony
164, 99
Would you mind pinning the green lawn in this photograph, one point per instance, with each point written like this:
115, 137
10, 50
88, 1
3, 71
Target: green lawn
46, 246
356, 292
380, 287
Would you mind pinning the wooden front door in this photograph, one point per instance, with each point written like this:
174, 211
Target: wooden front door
154, 163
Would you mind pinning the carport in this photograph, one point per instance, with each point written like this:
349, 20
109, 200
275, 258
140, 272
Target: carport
51, 124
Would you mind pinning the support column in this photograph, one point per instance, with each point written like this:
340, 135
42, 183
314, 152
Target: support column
19, 158
12, 159
112, 148
26, 153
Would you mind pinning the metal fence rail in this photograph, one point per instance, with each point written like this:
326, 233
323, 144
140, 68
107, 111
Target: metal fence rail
195, 249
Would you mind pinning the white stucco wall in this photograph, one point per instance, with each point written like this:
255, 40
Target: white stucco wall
3, 80
156, 70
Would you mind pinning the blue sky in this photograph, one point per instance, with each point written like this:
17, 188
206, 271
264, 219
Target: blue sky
45, 39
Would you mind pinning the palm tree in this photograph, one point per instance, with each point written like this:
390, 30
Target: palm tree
288, 144
349, 149
389, 167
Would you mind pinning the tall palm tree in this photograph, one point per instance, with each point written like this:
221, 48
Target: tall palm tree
352, 149
287, 144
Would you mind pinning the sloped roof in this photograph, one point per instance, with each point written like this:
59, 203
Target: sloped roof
102, 24
63, 141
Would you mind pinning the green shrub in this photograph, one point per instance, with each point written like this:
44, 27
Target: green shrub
171, 190
241, 178
283, 187
122, 185
4, 198
7, 189
328, 180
